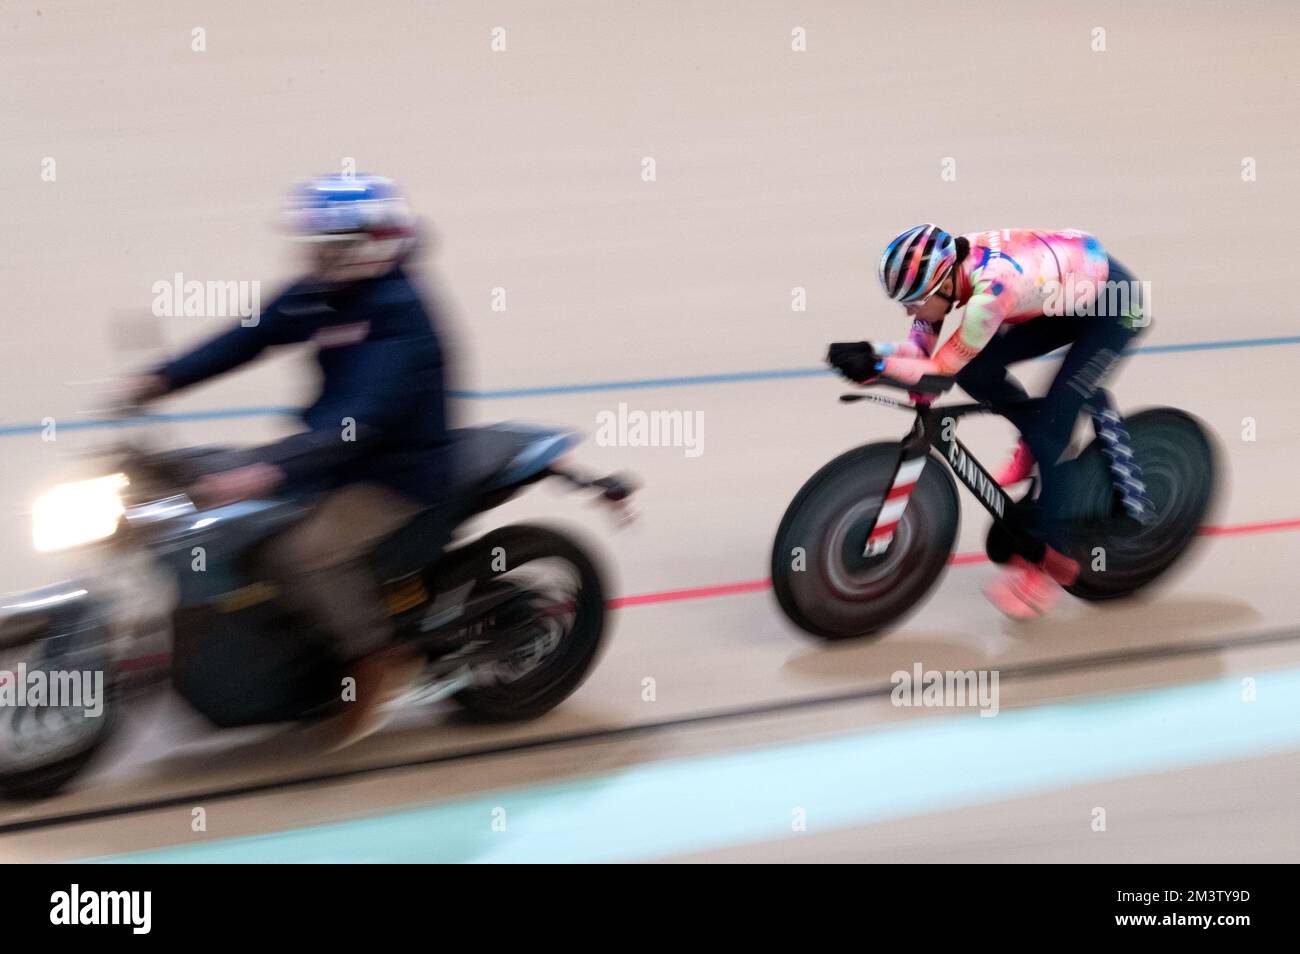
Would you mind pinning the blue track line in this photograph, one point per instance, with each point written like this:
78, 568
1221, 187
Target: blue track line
630, 384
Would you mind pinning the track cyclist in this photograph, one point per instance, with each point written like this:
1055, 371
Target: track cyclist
1026, 292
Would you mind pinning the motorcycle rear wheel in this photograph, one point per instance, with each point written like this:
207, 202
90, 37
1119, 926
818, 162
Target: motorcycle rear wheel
568, 613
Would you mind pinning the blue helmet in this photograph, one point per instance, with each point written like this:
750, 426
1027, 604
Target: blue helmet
348, 207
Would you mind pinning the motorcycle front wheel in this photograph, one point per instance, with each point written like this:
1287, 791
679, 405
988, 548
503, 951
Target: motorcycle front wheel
44, 747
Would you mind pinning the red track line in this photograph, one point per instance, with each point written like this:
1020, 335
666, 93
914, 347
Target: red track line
957, 559
757, 586
1232, 531
691, 593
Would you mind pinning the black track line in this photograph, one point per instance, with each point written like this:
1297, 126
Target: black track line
1053, 667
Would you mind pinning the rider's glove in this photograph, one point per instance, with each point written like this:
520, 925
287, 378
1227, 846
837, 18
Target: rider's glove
856, 360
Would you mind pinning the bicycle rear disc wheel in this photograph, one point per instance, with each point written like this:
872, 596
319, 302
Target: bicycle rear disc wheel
1118, 555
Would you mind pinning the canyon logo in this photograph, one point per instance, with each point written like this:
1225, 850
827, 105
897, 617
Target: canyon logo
976, 479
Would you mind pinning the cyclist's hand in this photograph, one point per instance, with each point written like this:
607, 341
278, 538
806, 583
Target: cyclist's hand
856, 360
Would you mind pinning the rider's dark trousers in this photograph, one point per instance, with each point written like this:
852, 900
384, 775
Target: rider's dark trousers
1096, 342
320, 565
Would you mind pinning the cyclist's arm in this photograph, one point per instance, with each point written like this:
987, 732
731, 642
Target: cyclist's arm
925, 334
989, 305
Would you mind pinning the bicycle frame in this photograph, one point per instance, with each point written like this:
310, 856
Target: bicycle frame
935, 427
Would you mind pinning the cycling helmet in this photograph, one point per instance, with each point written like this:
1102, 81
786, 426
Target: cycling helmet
915, 264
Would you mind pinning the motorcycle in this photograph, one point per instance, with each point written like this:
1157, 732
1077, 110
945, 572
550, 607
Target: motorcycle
868, 536
508, 624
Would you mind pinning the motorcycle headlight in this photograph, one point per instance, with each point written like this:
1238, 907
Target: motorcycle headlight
77, 513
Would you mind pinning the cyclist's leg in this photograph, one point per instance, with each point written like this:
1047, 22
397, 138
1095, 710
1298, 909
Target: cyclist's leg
1100, 341
985, 378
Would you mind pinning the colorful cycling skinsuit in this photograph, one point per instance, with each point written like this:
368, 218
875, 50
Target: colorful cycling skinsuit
1009, 277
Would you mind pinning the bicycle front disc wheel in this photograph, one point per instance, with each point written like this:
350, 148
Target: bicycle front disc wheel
822, 578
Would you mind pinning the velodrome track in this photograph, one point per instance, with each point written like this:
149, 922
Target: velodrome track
775, 170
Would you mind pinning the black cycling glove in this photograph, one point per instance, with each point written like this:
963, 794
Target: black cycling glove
856, 360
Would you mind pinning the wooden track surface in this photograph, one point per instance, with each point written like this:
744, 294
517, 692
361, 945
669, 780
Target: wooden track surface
775, 170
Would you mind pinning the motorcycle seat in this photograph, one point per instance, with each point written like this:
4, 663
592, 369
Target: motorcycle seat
491, 462
502, 455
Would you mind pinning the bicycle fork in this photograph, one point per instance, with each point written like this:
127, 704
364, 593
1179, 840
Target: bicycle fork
912, 456
932, 431
906, 475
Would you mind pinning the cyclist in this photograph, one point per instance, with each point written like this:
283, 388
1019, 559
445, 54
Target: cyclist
1026, 292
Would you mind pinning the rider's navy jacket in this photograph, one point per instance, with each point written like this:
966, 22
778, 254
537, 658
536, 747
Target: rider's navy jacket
382, 368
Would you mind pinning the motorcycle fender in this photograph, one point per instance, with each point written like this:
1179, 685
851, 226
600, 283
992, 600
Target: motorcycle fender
63, 609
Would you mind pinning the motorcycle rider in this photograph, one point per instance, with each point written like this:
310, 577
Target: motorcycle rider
1026, 292
375, 450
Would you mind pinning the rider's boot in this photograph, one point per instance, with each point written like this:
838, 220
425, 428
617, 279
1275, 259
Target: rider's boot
380, 678
1026, 590
1018, 468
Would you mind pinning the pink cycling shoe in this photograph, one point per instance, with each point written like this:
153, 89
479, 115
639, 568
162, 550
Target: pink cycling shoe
1018, 468
1025, 590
